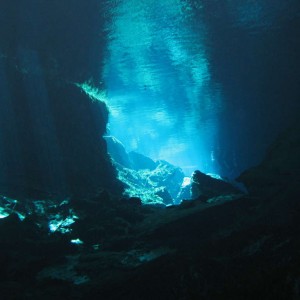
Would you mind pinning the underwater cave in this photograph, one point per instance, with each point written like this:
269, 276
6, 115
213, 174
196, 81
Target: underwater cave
149, 149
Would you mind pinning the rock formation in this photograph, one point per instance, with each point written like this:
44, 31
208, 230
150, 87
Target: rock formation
50, 130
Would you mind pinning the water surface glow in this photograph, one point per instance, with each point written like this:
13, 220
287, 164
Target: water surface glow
158, 83
185, 79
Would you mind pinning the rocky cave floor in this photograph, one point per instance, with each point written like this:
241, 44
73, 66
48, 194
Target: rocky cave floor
234, 246
238, 247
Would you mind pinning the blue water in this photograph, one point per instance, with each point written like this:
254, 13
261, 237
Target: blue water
192, 82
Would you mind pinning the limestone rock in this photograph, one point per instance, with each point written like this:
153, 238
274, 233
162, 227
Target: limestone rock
205, 186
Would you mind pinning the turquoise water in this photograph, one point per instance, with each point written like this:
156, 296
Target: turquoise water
186, 80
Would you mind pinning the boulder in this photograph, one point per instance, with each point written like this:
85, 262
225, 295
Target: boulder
205, 186
168, 175
117, 151
279, 169
140, 161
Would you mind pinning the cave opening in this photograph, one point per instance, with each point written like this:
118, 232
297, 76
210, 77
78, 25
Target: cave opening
176, 83
163, 102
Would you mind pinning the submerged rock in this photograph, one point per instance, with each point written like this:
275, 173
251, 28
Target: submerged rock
141, 162
168, 175
117, 151
205, 186
159, 186
131, 160
156, 183
280, 168
230, 247
50, 130
52, 133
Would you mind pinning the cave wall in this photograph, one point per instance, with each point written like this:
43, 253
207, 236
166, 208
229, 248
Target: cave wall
50, 130
255, 57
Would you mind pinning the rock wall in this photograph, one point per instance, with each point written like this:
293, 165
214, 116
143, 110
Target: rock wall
50, 130
279, 170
